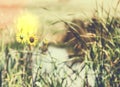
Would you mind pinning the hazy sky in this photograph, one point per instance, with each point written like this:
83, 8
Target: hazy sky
10, 8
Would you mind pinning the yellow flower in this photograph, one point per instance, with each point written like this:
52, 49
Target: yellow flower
21, 37
32, 40
27, 23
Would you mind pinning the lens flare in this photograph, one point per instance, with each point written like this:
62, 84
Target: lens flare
27, 23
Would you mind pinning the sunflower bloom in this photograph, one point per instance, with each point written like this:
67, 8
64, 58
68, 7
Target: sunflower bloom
21, 37
32, 40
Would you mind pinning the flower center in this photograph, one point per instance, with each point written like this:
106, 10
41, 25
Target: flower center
32, 39
21, 37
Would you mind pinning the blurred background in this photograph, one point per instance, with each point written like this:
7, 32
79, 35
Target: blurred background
51, 11
9, 9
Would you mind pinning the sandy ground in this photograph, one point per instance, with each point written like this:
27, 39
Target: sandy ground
60, 55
